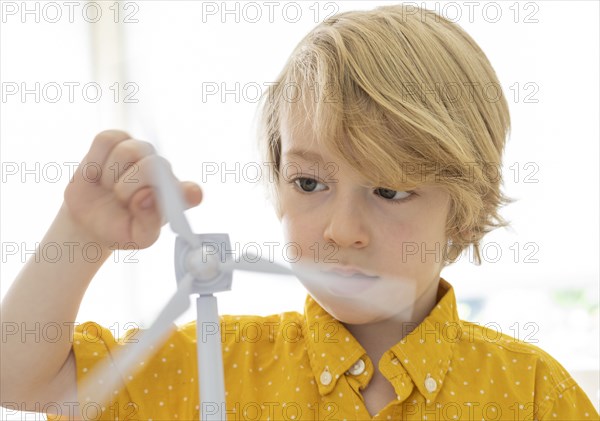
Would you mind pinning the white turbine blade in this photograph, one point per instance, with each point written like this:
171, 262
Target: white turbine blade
108, 376
253, 263
172, 202
377, 294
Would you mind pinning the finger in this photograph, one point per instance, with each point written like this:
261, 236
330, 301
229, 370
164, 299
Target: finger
90, 169
145, 199
102, 145
123, 158
135, 178
147, 219
140, 176
192, 193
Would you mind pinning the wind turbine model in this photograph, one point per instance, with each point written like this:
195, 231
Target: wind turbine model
202, 268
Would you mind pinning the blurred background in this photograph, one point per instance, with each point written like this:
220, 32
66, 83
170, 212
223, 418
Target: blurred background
188, 74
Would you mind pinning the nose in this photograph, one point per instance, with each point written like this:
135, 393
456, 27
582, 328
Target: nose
346, 225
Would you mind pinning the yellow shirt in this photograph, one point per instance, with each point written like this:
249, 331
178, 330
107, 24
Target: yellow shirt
309, 367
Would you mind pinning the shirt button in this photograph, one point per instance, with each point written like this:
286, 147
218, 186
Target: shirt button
357, 368
430, 384
325, 378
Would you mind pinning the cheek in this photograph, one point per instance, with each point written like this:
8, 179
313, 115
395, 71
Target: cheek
412, 244
299, 225
298, 229
397, 232
423, 224
287, 228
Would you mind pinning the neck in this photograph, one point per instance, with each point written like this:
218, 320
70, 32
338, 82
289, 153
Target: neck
377, 337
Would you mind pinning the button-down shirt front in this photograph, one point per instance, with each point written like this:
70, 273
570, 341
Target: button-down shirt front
308, 366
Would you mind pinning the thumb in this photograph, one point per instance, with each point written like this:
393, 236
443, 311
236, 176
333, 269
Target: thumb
192, 194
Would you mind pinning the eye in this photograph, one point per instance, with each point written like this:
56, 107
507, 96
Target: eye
307, 185
393, 195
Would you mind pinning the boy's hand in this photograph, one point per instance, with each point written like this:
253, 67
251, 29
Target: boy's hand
111, 195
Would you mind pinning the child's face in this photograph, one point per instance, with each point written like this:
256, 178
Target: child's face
339, 220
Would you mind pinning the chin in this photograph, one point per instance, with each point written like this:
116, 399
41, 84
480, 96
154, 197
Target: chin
352, 310
363, 302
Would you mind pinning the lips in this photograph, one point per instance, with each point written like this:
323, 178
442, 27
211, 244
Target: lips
347, 281
350, 272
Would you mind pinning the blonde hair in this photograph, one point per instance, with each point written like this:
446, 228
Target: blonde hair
407, 99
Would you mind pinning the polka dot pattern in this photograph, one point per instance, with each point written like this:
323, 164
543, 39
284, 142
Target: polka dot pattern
309, 367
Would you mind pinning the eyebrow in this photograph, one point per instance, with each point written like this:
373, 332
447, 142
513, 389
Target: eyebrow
304, 155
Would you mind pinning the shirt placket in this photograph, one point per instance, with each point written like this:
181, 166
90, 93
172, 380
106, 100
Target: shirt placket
348, 388
403, 385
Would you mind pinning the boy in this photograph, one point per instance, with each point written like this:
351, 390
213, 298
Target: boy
386, 147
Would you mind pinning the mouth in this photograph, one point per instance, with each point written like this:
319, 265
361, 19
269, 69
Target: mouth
350, 272
347, 281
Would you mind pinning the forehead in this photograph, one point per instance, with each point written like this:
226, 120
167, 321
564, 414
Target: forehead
301, 147
302, 137
301, 152
361, 149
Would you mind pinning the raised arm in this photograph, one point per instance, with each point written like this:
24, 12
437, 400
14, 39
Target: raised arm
109, 201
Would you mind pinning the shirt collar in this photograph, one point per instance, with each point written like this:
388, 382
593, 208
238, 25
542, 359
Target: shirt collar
331, 347
424, 354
